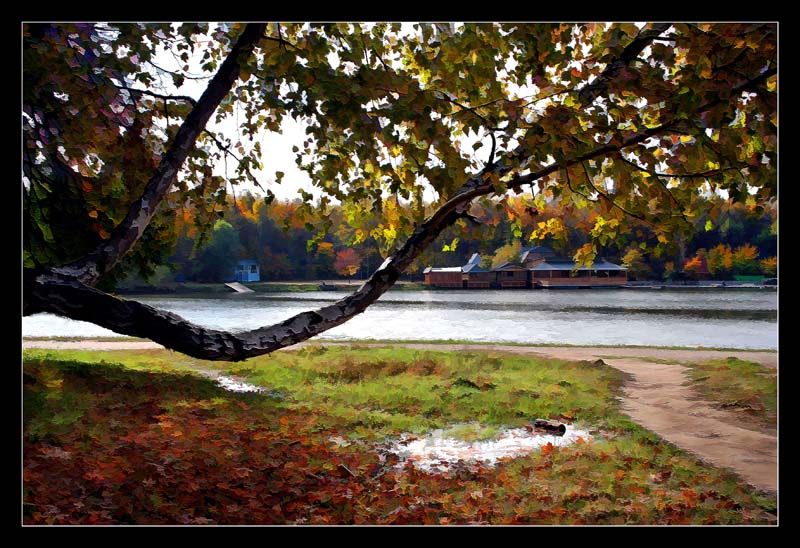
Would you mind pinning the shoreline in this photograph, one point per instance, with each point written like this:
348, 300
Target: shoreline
33, 342
192, 288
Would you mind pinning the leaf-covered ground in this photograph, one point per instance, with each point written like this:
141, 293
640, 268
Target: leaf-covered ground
136, 437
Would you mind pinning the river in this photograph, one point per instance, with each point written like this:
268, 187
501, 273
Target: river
679, 317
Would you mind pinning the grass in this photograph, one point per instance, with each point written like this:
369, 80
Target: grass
472, 431
744, 387
128, 419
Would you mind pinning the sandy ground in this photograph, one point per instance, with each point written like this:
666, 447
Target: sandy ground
657, 396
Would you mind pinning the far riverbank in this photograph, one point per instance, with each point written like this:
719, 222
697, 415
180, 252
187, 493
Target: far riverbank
191, 288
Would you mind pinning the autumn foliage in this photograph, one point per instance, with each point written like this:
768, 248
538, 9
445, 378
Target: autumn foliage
722, 262
347, 262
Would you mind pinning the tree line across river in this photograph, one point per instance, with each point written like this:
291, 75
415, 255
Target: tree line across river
288, 245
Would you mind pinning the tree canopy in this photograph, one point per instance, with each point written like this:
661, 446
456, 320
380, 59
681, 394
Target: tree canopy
643, 122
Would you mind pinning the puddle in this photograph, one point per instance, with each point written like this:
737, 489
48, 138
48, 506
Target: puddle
232, 384
437, 453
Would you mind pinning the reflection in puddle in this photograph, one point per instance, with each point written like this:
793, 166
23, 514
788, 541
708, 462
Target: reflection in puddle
437, 453
234, 385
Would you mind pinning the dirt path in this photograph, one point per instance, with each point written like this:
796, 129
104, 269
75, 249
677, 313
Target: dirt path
658, 397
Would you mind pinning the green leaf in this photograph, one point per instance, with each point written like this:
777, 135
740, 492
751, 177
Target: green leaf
27, 259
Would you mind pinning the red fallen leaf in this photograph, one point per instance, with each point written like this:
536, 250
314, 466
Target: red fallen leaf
547, 449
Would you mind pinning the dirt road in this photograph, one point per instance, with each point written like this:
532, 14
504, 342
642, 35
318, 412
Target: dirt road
657, 396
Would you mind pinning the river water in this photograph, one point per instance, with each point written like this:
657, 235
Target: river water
679, 317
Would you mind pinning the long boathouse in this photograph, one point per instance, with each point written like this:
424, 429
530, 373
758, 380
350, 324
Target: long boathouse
538, 268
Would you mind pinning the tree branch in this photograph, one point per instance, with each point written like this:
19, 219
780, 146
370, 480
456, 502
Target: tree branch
385, 67
181, 74
229, 152
468, 109
607, 197
281, 41
591, 91
569, 185
99, 261
161, 96
657, 177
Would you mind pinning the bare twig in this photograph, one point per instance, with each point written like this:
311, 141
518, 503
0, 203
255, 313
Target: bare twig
569, 185
283, 42
165, 98
187, 76
608, 198
229, 152
381, 61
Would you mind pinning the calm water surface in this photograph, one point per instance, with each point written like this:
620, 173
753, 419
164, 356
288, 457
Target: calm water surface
685, 317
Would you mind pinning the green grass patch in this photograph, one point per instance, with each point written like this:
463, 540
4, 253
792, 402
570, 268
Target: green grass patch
473, 431
139, 437
740, 386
